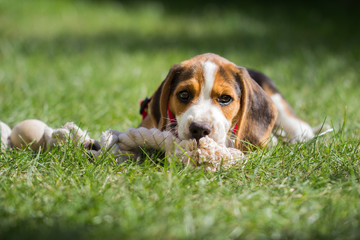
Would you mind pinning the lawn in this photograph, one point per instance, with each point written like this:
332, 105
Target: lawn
92, 61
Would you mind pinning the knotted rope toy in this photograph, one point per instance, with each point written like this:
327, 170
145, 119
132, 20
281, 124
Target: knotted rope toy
37, 135
206, 153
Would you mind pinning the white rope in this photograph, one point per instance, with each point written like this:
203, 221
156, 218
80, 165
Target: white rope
135, 138
208, 153
122, 144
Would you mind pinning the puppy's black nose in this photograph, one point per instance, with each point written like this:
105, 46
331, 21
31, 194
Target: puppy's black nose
199, 130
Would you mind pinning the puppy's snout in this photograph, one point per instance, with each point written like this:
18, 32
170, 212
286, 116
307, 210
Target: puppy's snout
199, 130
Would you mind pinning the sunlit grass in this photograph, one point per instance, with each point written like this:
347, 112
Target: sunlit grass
91, 62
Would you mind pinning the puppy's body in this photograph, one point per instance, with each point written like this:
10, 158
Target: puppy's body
209, 95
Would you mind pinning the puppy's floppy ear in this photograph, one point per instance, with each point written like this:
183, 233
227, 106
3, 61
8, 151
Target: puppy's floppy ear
160, 100
257, 113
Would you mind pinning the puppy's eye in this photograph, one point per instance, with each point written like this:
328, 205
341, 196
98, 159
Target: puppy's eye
184, 96
224, 100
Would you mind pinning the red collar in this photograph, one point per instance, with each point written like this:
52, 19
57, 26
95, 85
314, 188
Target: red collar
235, 129
171, 116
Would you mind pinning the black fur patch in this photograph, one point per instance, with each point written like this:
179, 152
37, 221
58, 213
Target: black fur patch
261, 112
262, 80
180, 75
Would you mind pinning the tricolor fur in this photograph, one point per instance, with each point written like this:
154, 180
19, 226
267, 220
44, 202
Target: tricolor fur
209, 95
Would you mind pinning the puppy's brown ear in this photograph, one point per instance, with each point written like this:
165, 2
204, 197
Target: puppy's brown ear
257, 113
160, 100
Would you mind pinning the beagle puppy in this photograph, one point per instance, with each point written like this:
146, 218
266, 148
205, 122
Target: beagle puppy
208, 95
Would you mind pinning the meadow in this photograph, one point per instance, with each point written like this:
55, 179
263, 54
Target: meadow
91, 62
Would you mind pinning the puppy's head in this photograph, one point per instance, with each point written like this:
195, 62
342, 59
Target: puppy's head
210, 96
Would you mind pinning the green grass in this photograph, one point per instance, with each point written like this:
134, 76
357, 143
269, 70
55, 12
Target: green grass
91, 62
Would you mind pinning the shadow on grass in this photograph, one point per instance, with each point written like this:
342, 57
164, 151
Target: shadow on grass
26, 229
329, 29
59, 228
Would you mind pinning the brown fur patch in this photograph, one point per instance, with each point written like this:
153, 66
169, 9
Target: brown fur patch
176, 106
225, 84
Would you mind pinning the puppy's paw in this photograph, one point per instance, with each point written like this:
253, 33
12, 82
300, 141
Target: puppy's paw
303, 133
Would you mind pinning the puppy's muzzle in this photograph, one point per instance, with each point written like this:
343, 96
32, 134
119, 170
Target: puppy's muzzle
199, 130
